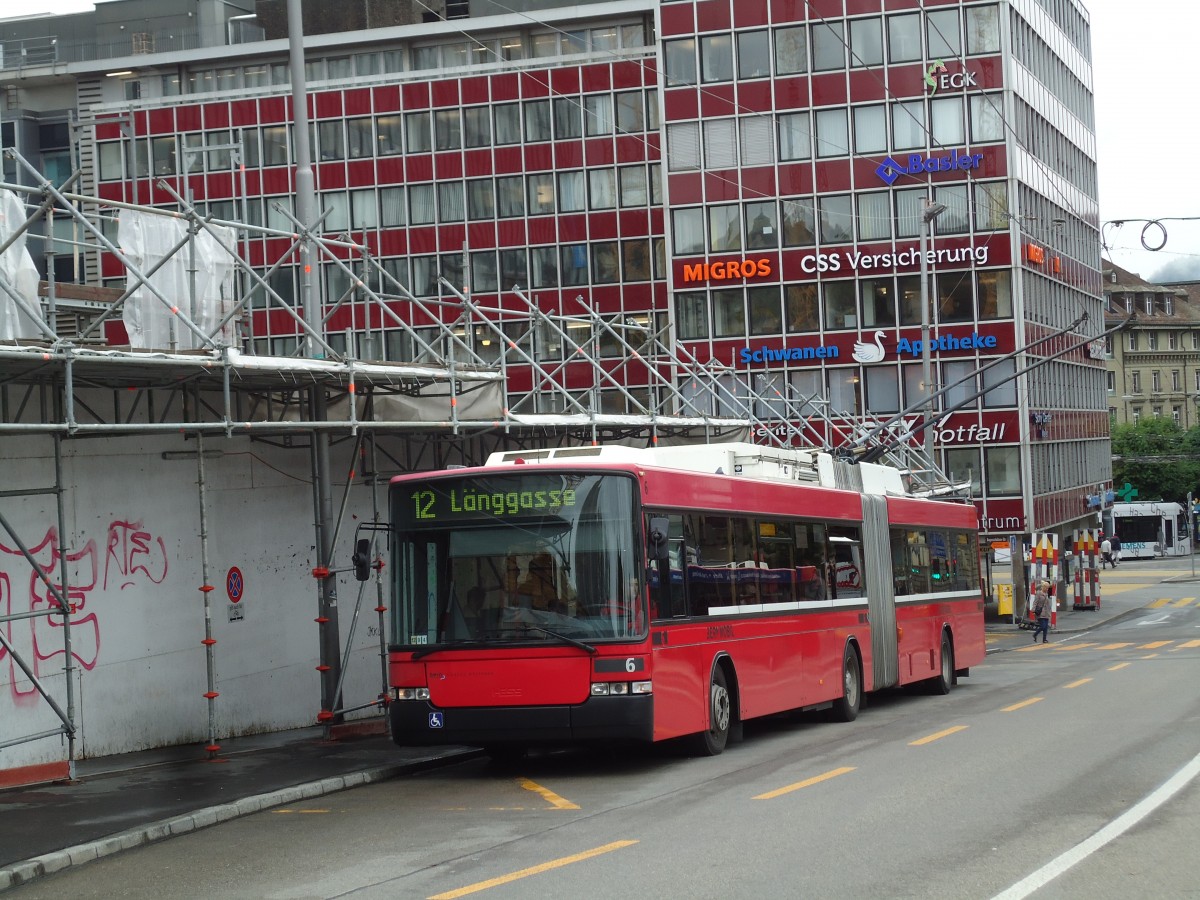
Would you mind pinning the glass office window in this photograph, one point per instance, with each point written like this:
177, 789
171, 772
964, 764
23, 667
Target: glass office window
631, 112
1003, 469
450, 201
633, 186
543, 262
904, 37
691, 315
540, 194
762, 225
866, 42
606, 263
364, 210
537, 120
572, 192
766, 315
875, 216
909, 206
683, 146
507, 123
942, 33
573, 264
799, 223
946, 119
908, 125
598, 114
991, 205
729, 313
421, 204
687, 229
391, 206
795, 140
510, 196
602, 189
447, 129
878, 302
481, 199
957, 217
568, 118
987, 121
983, 29
417, 130
841, 306
725, 228
995, 296
870, 129
716, 58
754, 54
836, 219
801, 308
791, 50
828, 46
955, 297
833, 137
477, 126
635, 260
883, 389
679, 59
720, 143
1000, 385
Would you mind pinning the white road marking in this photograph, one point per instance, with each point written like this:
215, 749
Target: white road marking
1113, 829
1158, 621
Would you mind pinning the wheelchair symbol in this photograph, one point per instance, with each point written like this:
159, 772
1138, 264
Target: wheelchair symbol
436, 720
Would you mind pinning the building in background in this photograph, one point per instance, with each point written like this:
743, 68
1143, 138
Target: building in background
1154, 364
750, 175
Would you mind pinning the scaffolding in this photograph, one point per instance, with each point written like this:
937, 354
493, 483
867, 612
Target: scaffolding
479, 379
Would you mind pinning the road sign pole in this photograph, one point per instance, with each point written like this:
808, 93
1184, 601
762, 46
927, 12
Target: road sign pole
1191, 532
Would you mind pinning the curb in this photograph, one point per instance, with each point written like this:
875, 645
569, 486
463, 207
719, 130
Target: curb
29, 870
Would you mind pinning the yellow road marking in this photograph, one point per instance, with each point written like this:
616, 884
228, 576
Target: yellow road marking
1186, 645
1022, 704
1075, 684
1117, 646
938, 736
546, 794
1123, 665
1159, 603
287, 812
816, 779
1150, 656
1153, 645
1183, 601
532, 870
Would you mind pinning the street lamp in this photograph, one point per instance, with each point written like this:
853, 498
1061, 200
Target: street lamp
929, 212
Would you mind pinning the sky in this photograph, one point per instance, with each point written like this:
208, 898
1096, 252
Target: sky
1146, 131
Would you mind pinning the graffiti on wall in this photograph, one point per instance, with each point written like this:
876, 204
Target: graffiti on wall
132, 557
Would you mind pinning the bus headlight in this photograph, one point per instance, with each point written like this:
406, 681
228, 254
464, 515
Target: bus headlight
410, 693
620, 688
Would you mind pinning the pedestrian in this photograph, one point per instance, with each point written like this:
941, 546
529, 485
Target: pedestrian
1041, 610
1116, 550
1105, 553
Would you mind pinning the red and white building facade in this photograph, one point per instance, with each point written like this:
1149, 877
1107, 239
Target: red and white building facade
750, 172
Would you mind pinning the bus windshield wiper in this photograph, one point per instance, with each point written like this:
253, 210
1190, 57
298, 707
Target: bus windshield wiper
562, 637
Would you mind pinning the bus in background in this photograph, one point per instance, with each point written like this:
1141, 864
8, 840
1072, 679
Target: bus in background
611, 593
1151, 529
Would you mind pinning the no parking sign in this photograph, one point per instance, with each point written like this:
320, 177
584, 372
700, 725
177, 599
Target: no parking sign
235, 588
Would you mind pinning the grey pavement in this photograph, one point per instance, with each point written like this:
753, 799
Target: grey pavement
120, 802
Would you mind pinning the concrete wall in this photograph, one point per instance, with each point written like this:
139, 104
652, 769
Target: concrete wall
134, 552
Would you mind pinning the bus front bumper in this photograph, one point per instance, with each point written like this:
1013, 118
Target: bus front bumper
626, 718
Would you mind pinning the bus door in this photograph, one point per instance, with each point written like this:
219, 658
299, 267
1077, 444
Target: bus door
881, 596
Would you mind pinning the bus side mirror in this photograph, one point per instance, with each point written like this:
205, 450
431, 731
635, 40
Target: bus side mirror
362, 560
659, 529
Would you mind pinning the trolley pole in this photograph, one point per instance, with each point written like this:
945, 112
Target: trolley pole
929, 212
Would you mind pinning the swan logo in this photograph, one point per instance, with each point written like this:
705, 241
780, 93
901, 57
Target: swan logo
865, 352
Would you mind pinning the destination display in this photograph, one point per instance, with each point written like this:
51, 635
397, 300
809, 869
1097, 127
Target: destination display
489, 498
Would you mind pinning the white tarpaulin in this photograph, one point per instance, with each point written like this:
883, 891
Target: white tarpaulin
18, 271
146, 239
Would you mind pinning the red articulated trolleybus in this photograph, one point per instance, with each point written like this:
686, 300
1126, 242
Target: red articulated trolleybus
610, 593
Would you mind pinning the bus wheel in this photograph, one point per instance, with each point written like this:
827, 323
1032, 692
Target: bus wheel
845, 709
945, 679
720, 715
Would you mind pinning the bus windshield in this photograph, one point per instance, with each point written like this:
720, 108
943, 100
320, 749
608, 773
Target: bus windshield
536, 556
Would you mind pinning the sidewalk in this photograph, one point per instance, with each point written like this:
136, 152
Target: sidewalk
125, 801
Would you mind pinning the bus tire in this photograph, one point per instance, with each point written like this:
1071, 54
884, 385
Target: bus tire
945, 679
712, 740
845, 708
